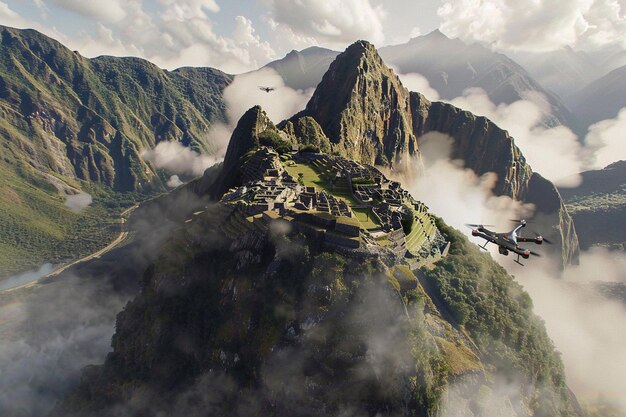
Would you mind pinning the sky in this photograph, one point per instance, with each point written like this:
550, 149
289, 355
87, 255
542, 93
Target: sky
239, 36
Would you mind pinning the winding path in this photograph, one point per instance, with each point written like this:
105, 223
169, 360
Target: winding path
116, 242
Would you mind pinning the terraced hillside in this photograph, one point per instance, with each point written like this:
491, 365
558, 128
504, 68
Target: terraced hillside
342, 203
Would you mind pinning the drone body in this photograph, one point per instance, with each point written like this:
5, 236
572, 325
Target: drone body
509, 241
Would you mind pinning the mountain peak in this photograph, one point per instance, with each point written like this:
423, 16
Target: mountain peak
363, 108
436, 34
244, 138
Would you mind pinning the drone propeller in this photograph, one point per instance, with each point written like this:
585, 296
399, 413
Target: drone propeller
549, 242
535, 253
520, 220
472, 226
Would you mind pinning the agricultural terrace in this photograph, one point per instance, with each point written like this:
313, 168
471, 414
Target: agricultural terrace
322, 177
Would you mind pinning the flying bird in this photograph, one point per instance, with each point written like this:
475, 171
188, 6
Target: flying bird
266, 89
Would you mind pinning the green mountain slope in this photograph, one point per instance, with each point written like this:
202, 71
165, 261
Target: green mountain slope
273, 323
68, 123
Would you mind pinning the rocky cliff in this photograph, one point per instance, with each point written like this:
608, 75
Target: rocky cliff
363, 108
487, 148
245, 137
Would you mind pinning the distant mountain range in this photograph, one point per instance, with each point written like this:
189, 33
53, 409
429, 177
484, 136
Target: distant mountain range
304, 69
601, 99
450, 65
72, 124
563, 71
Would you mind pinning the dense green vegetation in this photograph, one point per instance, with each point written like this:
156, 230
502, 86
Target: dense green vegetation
276, 367
68, 123
480, 296
271, 137
276, 325
38, 227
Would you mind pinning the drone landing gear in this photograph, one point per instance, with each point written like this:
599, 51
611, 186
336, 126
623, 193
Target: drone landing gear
517, 260
484, 247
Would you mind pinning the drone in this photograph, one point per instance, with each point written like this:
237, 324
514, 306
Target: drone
266, 89
508, 242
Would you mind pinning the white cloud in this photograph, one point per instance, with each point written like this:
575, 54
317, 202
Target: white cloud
178, 159
605, 141
456, 193
243, 93
418, 83
78, 202
109, 11
556, 153
334, 23
534, 25
586, 328
174, 181
188, 9
541, 146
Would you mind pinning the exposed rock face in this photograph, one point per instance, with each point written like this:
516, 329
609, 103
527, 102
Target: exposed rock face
364, 109
244, 138
487, 148
306, 131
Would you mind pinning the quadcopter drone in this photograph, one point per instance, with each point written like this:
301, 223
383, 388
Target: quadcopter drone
508, 242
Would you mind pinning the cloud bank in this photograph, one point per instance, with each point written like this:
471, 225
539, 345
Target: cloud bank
244, 93
541, 146
418, 83
178, 159
536, 25
335, 22
586, 327
605, 141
